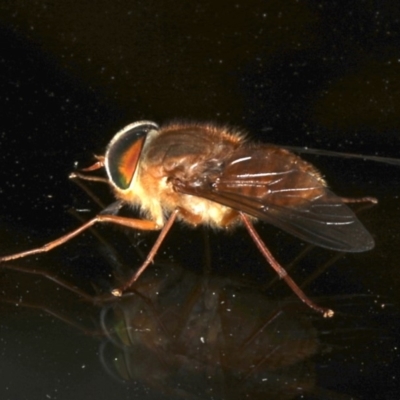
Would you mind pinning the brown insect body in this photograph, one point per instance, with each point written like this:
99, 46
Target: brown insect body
211, 174
205, 174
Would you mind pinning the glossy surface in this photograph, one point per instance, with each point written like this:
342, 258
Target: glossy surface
297, 73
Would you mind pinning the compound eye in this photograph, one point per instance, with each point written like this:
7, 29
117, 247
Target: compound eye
123, 152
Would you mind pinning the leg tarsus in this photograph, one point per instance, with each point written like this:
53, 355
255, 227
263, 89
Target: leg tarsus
150, 257
326, 312
366, 199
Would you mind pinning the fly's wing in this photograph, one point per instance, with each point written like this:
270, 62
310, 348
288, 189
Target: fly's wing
280, 188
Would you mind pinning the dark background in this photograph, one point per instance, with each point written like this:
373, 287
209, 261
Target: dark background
322, 74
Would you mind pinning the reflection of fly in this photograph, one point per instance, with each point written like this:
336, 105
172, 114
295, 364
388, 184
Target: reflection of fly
203, 174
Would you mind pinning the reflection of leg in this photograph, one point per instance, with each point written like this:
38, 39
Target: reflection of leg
50, 276
128, 222
151, 255
56, 314
280, 270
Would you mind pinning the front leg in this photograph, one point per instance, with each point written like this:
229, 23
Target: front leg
133, 223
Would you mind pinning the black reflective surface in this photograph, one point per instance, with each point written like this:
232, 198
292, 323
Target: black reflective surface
209, 320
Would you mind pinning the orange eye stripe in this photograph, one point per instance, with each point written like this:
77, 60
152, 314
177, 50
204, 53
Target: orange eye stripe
128, 162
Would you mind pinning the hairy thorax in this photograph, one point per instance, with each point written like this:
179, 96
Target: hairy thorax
154, 194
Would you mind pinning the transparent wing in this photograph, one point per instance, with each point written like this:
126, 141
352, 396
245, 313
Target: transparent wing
278, 187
